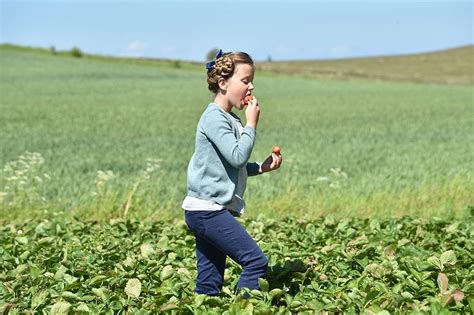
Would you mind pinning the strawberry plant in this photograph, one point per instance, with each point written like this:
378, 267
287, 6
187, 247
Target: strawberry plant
350, 265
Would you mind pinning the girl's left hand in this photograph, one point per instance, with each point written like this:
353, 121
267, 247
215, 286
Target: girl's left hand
272, 163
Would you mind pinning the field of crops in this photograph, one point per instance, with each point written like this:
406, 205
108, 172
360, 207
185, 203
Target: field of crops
127, 267
97, 139
371, 212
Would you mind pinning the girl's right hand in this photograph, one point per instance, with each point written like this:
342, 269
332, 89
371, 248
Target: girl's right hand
252, 113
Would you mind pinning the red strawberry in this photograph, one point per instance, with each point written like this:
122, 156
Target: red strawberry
276, 150
246, 99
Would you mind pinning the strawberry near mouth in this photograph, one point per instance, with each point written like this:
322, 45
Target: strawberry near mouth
246, 99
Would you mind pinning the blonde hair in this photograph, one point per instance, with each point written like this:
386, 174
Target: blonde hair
225, 67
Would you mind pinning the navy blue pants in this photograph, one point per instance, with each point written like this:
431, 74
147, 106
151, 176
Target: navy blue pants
219, 234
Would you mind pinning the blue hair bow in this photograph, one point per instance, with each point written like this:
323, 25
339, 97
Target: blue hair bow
211, 64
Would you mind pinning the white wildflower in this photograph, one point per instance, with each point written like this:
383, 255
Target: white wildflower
102, 179
23, 175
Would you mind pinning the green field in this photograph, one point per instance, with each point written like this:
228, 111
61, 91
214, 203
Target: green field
351, 148
371, 211
323, 266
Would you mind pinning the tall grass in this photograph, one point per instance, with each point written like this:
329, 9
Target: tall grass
350, 148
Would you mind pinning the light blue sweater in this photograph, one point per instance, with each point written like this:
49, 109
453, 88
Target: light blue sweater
220, 151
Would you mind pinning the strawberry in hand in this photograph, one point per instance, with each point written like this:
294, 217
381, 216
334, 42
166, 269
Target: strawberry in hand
272, 162
277, 150
247, 99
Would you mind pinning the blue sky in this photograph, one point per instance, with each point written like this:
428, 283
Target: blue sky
283, 30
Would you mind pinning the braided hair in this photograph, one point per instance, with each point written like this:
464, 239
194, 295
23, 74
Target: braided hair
224, 67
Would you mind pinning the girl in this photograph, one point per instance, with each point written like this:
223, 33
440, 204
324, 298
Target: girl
217, 176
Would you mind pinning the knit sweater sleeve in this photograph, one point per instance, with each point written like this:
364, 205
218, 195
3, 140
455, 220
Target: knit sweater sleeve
219, 130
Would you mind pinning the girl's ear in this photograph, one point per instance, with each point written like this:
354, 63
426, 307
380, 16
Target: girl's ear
222, 84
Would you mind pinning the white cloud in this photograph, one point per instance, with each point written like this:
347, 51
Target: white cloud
136, 49
137, 45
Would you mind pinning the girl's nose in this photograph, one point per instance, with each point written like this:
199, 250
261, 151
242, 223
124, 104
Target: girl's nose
250, 86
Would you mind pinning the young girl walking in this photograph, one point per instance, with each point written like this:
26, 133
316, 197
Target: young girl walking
217, 176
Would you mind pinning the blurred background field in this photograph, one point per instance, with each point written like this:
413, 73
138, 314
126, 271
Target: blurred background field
450, 66
114, 136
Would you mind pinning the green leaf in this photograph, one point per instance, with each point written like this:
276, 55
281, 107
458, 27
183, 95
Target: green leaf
39, 298
70, 296
166, 273
376, 270
403, 242
133, 288
277, 292
163, 243
168, 307
328, 248
83, 308
146, 250
128, 263
25, 255
100, 293
185, 272
59, 275
263, 284
61, 308
22, 240
248, 309
227, 291
20, 269
69, 279
397, 287
295, 304
435, 262
448, 258
407, 296
40, 228
470, 300
97, 279
256, 293
200, 298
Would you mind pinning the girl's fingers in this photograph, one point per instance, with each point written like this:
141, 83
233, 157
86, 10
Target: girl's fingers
279, 159
254, 103
274, 160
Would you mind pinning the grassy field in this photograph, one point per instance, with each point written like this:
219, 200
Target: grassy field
451, 66
98, 139
351, 148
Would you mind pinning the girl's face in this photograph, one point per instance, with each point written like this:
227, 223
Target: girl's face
240, 85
